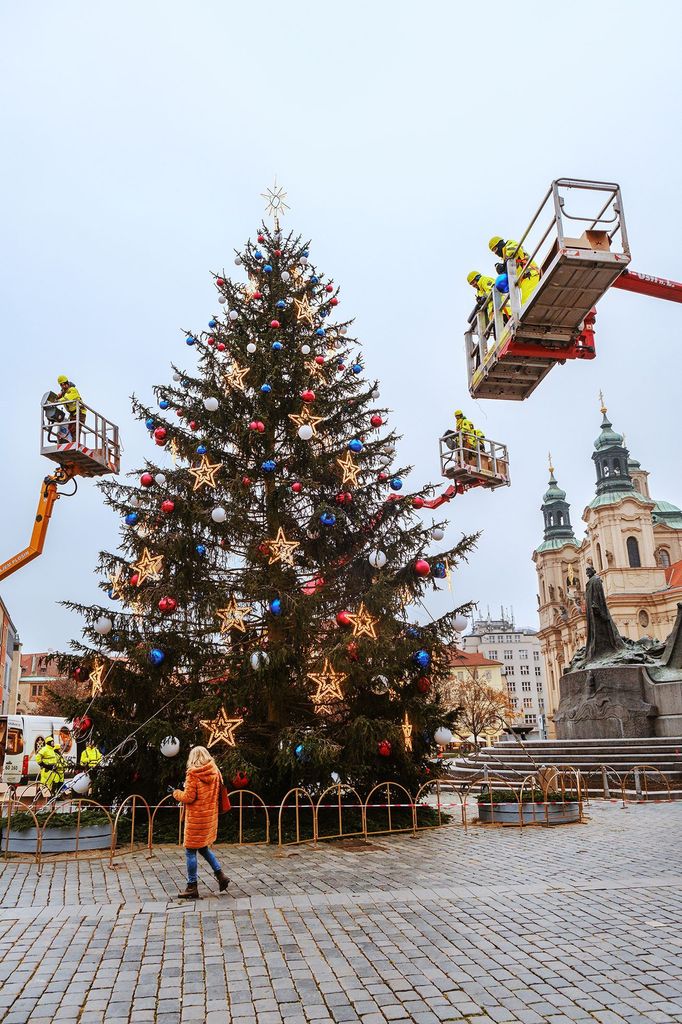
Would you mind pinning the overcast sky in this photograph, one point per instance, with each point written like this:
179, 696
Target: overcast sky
137, 138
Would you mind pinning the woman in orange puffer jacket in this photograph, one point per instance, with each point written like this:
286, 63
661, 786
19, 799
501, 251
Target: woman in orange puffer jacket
200, 797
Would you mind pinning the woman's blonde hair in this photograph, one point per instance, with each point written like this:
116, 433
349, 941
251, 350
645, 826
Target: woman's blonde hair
199, 756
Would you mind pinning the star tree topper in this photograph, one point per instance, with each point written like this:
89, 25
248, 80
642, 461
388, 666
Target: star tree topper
205, 473
328, 683
281, 549
221, 729
232, 616
364, 623
149, 567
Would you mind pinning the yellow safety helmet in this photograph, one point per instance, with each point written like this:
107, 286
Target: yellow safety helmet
473, 276
49, 739
61, 379
458, 413
494, 242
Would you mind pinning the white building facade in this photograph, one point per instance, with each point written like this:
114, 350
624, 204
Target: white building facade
523, 669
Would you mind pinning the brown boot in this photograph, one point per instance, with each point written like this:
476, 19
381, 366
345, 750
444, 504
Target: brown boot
191, 892
223, 880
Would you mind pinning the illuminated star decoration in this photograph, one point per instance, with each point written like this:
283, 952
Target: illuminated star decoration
232, 616
274, 201
306, 417
115, 585
304, 311
173, 449
350, 470
221, 729
97, 678
328, 683
281, 549
407, 732
315, 369
235, 377
149, 567
205, 473
364, 624
251, 288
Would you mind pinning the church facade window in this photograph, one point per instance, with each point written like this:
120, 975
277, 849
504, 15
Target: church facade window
663, 557
632, 546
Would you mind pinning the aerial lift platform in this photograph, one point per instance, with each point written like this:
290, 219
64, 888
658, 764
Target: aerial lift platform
82, 443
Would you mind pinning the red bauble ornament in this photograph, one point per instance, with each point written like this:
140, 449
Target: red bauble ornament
333, 302
342, 366
220, 281
133, 579
146, 479
418, 502
384, 748
423, 684
160, 443
343, 619
422, 567
275, 324
167, 604
210, 342
193, 425
178, 412
168, 506
329, 288
81, 674
376, 420
257, 295
260, 427
246, 481
240, 780
297, 487
352, 650
264, 548
160, 433
308, 395
220, 346
319, 360
261, 238
344, 498
382, 476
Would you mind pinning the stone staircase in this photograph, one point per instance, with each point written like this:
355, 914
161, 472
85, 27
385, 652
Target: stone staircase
604, 764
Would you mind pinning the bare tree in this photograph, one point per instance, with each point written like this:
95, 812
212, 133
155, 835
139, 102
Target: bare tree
481, 706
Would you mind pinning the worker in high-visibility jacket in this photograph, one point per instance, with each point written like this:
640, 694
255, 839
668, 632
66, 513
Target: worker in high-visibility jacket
508, 249
70, 397
483, 287
91, 756
51, 765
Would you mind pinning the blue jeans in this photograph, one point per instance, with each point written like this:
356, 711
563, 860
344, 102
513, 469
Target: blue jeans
191, 856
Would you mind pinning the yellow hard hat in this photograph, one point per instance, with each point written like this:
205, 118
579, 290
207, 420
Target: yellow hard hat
458, 412
62, 379
49, 739
473, 276
494, 242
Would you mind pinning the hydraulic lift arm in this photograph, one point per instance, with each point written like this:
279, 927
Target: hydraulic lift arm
643, 284
48, 495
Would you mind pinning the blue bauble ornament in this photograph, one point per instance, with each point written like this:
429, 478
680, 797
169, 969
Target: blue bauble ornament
201, 449
298, 750
200, 550
267, 269
189, 340
422, 658
396, 483
164, 403
258, 255
265, 389
111, 595
277, 346
212, 323
275, 606
305, 253
131, 518
355, 445
502, 283
149, 424
156, 656
356, 368
327, 518
439, 570
413, 632
324, 312
320, 332
314, 279
281, 304
269, 466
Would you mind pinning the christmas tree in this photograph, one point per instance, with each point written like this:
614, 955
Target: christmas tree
263, 596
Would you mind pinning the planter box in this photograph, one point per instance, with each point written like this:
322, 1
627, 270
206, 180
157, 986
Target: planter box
59, 840
531, 814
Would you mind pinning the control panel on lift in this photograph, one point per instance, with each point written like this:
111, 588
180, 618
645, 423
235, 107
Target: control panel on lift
542, 313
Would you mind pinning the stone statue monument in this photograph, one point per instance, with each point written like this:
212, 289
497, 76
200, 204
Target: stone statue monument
616, 687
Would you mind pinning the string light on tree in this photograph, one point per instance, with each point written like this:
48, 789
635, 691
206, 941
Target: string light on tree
221, 729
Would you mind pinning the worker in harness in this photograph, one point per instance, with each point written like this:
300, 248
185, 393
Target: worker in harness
52, 765
91, 756
508, 249
70, 397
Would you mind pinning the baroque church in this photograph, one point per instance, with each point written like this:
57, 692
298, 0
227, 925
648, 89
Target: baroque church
633, 541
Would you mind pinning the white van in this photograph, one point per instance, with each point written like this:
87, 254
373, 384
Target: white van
22, 736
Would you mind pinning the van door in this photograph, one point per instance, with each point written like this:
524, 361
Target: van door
12, 747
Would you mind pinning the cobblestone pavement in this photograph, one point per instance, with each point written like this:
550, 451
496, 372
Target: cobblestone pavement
573, 925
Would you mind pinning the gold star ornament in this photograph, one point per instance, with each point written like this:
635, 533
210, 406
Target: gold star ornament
364, 624
97, 678
304, 311
236, 376
221, 729
232, 617
407, 732
306, 417
205, 473
281, 549
275, 205
115, 581
149, 567
328, 683
350, 470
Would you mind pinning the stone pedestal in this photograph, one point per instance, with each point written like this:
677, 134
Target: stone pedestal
605, 703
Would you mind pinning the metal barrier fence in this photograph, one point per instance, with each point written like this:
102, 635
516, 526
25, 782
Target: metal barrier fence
550, 796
